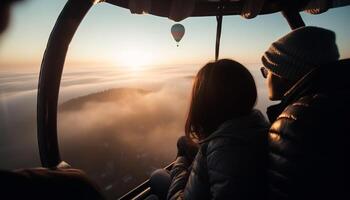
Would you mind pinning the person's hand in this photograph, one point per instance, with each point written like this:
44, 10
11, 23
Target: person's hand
187, 148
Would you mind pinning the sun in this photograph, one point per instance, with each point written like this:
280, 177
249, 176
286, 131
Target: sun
135, 59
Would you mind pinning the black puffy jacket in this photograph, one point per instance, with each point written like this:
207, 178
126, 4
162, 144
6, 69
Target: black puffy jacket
230, 163
308, 145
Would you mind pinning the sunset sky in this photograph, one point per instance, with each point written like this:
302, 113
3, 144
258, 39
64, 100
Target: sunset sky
111, 36
114, 117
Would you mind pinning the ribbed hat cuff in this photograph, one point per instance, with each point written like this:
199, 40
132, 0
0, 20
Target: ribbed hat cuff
283, 68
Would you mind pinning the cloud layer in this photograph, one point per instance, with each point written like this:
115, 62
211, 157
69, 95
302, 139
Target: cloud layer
118, 136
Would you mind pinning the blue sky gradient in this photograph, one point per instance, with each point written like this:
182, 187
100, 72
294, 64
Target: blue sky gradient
110, 35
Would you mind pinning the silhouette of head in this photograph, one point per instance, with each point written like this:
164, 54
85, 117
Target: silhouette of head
5, 6
222, 90
277, 85
294, 55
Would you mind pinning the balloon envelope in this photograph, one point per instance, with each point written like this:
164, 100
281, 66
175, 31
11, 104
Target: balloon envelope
178, 31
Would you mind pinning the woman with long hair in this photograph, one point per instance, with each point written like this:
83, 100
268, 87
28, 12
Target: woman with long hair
224, 150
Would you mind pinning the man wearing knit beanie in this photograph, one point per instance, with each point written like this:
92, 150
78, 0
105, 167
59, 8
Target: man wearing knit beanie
298, 52
307, 139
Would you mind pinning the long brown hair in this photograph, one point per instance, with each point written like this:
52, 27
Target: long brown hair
221, 91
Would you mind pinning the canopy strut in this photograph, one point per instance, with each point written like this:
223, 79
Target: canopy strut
218, 36
290, 12
293, 18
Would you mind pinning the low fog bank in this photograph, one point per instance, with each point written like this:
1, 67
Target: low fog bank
121, 135
18, 142
18, 91
117, 126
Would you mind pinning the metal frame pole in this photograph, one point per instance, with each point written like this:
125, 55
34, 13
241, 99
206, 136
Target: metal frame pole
50, 79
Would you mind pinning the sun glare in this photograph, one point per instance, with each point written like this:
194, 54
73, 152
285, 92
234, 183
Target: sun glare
135, 60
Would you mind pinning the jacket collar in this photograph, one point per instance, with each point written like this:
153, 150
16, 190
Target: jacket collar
327, 79
241, 125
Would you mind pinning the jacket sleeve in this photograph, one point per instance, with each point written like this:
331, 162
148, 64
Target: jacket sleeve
179, 177
228, 169
291, 139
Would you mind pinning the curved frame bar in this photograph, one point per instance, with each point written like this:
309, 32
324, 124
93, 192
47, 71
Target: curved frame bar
50, 79
210, 8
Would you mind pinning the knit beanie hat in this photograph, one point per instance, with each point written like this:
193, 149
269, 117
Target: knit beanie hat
300, 51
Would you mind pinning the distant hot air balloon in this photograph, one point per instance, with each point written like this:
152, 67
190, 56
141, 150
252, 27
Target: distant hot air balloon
178, 31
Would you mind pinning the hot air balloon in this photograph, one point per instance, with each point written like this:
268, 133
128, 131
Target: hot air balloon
178, 31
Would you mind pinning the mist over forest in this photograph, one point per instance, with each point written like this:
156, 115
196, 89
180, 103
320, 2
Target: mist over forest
117, 126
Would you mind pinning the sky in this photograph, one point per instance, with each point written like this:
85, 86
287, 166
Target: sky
112, 36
